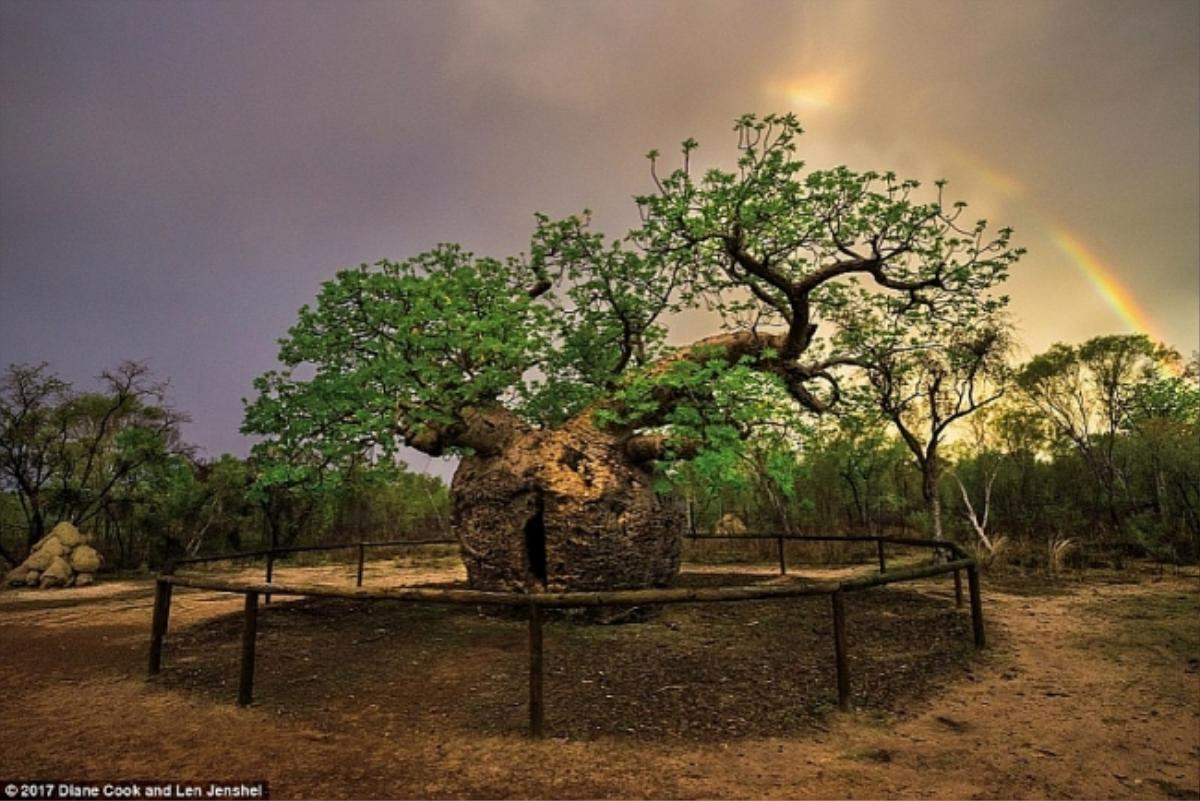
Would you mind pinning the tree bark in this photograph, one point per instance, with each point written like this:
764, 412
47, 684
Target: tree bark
574, 507
565, 509
978, 523
930, 471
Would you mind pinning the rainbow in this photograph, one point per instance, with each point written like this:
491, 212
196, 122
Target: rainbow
1118, 297
818, 90
1103, 278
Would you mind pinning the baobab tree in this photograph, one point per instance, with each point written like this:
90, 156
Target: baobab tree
548, 372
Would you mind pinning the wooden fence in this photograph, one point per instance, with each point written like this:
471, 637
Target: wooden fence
956, 561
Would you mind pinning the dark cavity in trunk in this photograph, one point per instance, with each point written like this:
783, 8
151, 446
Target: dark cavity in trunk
535, 543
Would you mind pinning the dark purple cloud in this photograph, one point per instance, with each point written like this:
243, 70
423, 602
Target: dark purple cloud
176, 178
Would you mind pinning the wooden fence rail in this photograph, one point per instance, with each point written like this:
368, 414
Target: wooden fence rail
537, 602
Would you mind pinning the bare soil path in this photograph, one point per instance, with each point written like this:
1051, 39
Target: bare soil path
1089, 690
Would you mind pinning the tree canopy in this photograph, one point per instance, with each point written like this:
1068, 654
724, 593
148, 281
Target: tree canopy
813, 273
70, 455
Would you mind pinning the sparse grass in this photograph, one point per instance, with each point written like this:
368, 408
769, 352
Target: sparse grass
1028, 584
1159, 625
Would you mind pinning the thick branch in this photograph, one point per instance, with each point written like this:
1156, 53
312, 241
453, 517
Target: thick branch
796, 312
642, 448
487, 430
729, 348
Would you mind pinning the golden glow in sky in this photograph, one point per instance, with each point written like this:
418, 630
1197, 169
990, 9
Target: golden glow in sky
1104, 279
1003, 182
809, 92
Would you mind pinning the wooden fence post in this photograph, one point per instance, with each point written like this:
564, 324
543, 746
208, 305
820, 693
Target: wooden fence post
362, 555
839, 648
536, 709
270, 572
782, 559
158, 624
976, 606
249, 633
882, 558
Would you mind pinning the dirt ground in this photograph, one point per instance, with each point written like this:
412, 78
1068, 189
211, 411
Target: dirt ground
1088, 689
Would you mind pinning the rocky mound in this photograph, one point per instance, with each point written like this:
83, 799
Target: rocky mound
62, 558
730, 524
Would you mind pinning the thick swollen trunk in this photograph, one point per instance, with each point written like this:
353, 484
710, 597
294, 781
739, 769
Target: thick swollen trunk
572, 508
564, 509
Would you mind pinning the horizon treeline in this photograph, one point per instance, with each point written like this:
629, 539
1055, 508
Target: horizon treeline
1091, 451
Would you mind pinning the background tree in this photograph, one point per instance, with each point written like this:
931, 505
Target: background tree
31, 399
106, 437
1085, 393
295, 489
68, 455
1023, 436
980, 457
112, 461
1162, 429
923, 388
863, 457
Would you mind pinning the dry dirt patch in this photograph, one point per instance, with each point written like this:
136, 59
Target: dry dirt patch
379, 702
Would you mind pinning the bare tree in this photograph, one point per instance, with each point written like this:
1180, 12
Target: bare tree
923, 391
64, 453
31, 399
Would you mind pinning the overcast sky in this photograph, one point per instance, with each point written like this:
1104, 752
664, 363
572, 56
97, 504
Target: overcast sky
177, 178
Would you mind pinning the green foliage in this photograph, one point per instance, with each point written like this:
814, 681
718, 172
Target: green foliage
1093, 393
397, 349
769, 228
418, 352
851, 474
68, 455
1088, 389
112, 461
1161, 398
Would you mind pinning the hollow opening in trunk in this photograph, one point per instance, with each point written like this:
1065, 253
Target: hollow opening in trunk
535, 543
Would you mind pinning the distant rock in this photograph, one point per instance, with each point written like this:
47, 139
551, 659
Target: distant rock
67, 534
57, 574
62, 558
85, 559
54, 546
730, 524
41, 559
